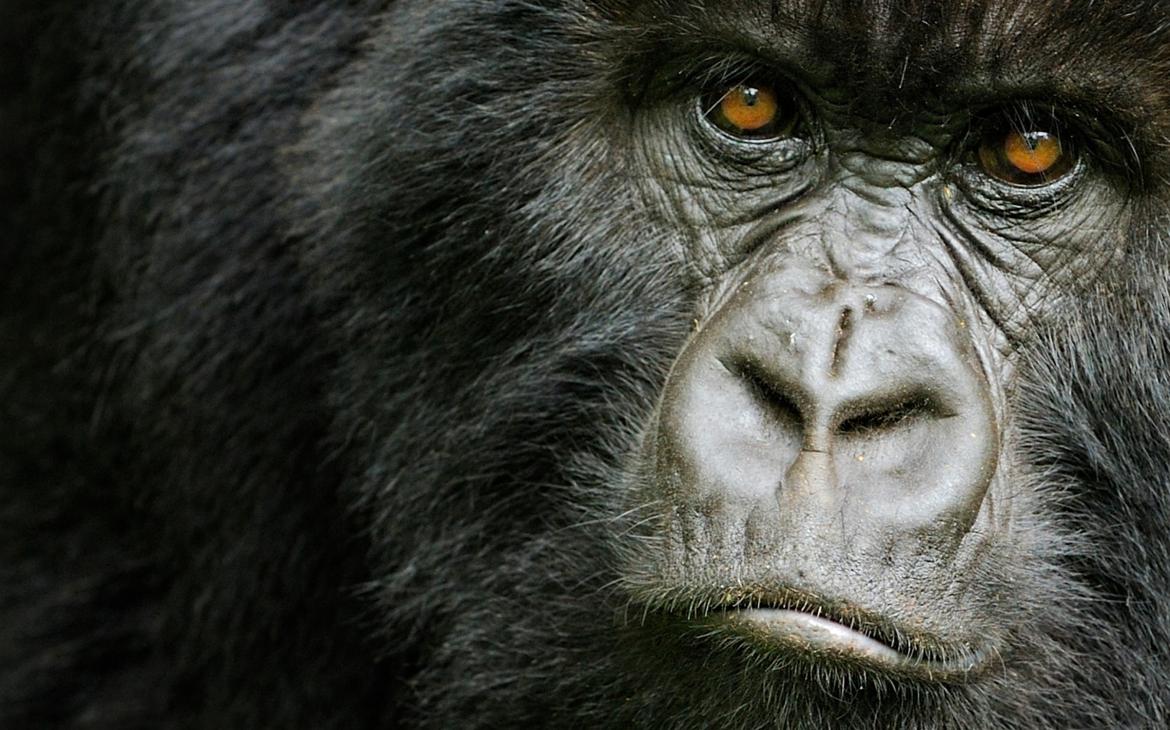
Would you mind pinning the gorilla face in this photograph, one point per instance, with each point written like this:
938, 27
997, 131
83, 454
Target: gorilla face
829, 471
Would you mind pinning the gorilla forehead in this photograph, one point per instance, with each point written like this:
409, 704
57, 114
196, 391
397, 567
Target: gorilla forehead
957, 49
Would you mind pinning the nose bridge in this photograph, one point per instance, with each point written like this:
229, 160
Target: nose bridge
832, 371
869, 221
826, 324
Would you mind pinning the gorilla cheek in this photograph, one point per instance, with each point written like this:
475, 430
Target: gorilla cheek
820, 456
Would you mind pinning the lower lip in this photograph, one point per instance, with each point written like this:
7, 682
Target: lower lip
815, 636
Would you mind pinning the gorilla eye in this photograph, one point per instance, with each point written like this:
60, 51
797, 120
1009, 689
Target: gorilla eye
751, 111
1029, 158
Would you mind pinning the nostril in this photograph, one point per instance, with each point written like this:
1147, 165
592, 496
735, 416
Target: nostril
765, 391
872, 417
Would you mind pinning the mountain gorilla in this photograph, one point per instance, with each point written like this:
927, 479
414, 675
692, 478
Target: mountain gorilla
564, 363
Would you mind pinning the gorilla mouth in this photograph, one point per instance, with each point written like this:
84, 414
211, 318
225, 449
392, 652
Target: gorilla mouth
851, 638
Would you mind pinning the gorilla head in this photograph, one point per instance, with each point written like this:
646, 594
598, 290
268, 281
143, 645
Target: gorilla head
829, 471
703, 325
641, 363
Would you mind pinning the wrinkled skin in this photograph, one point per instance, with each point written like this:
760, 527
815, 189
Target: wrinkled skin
439, 363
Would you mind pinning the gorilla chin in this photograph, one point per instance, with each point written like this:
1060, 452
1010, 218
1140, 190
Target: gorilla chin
677, 364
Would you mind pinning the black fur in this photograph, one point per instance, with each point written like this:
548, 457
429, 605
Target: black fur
327, 330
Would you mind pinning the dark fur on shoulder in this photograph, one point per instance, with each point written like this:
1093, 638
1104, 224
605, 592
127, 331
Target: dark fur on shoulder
326, 332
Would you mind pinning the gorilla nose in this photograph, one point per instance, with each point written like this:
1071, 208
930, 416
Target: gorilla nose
858, 409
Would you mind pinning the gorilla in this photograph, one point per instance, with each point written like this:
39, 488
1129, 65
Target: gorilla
585, 363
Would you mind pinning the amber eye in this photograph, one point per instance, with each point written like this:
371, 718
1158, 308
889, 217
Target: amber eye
751, 111
1030, 158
